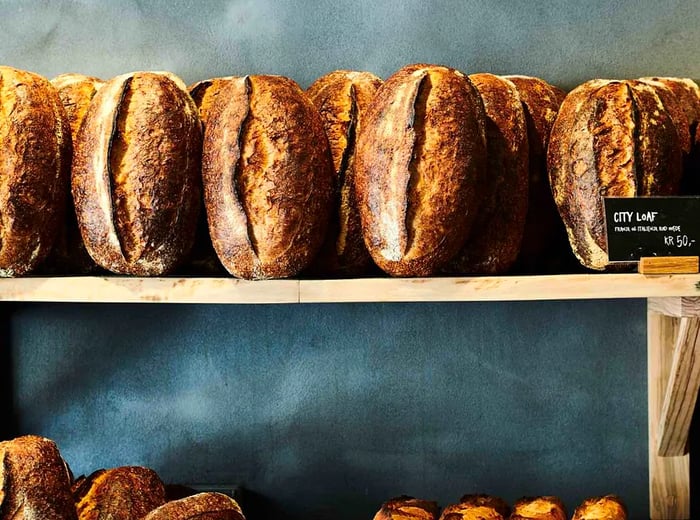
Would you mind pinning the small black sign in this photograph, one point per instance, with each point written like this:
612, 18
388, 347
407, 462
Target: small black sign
652, 226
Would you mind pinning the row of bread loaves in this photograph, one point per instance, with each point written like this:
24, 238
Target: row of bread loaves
37, 484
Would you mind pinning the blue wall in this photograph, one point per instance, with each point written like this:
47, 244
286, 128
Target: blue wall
329, 410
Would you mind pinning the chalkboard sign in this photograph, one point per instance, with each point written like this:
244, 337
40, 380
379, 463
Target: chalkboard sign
652, 226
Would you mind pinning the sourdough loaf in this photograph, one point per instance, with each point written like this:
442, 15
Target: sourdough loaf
419, 169
212, 506
539, 508
342, 98
608, 507
136, 178
35, 143
407, 508
268, 179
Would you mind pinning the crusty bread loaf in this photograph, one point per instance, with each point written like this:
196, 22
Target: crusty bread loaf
419, 169
343, 97
407, 508
268, 179
122, 493
608, 507
69, 254
212, 506
610, 138
35, 143
36, 482
539, 508
470, 512
494, 242
136, 178
491, 501
545, 246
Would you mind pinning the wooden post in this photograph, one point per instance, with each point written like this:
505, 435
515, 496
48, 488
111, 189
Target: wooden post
673, 345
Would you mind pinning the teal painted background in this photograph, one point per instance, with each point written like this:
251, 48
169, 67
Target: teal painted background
327, 410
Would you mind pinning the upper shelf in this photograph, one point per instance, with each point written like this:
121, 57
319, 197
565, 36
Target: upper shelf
117, 289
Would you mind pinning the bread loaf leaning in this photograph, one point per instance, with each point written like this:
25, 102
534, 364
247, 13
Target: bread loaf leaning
205, 92
212, 506
268, 180
120, 493
35, 481
136, 178
35, 144
407, 508
610, 138
493, 244
420, 165
69, 254
343, 97
608, 507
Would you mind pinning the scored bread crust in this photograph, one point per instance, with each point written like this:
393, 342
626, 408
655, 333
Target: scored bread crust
35, 143
119, 493
608, 507
209, 505
494, 242
491, 501
136, 178
610, 138
35, 481
539, 508
407, 508
268, 180
342, 98
420, 162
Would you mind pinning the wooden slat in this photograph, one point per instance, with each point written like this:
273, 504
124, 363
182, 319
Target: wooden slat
669, 477
504, 288
154, 290
681, 390
668, 264
679, 307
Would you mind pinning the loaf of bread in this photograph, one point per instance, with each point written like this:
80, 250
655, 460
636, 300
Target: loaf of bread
212, 506
491, 501
420, 169
539, 508
35, 143
69, 254
545, 246
407, 508
36, 482
136, 174
494, 242
343, 97
268, 179
120, 493
610, 138
608, 507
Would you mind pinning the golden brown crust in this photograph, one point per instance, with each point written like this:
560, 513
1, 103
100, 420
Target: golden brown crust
342, 98
136, 174
494, 242
470, 512
687, 92
36, 147
420, 161
119, 494
205, 92
539, 508
608, 507
69, 254
493, 502
407, 508
675, 110
35, 481
268, 180
544, 245
212, 506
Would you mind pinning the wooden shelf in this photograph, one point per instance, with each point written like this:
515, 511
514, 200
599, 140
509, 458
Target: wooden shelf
115, 289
